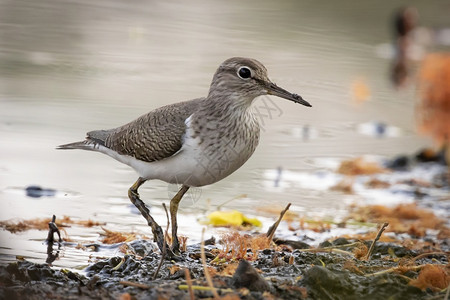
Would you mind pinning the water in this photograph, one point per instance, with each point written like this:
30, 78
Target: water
68, 67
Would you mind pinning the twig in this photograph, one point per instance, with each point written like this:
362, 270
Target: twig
187, 275
274, 227
427, 254
404, 277
134, 284
202, 288
334, 249
447, 293
52, 228
205, 268
328, 249
325, 291
119, 264
163, 255
372, 246
393, 269
341, 246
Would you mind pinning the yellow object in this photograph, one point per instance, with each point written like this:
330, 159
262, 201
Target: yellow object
231, 218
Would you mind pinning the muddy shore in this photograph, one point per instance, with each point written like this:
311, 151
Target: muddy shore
392, 273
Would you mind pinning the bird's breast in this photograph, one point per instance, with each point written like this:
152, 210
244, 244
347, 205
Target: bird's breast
218, 147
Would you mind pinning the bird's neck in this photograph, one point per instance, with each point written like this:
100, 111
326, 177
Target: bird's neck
229, 104
228, 112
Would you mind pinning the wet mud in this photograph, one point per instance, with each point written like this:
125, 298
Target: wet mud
285, 273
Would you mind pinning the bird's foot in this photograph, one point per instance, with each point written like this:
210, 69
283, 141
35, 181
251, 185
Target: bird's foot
158, 234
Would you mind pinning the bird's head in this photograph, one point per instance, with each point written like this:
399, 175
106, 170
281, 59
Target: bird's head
244, 79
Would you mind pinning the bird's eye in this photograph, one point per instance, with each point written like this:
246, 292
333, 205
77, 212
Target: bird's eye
244, 72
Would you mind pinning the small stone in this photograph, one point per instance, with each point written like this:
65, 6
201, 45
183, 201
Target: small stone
340, 241
293, 244
325, 244
324, 282
246, 276
267, 251
399, 163
35, 191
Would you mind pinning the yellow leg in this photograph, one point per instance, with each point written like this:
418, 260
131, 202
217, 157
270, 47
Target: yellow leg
140, 205
173, 216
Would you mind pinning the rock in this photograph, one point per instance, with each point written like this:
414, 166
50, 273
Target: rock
247, 277
427, 155
340, 241
267, 251
293, 244
400, 163
387, 248
325, 283
210, 241
142, 247
325, 244
36, 192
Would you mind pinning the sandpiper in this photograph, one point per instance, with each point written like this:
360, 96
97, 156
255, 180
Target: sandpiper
192, 143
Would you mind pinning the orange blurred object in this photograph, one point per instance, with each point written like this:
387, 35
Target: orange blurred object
436, 277
433, 111
360, 90
359, 166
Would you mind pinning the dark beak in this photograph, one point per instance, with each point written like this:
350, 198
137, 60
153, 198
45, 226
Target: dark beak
273, 89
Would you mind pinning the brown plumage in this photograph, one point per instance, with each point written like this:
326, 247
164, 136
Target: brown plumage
153, 136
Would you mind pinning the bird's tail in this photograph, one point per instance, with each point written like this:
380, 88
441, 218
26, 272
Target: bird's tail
83, 145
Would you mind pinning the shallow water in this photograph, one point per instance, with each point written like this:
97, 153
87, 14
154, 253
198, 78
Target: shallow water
67, 68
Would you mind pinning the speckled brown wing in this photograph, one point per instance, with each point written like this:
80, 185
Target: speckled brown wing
151, 137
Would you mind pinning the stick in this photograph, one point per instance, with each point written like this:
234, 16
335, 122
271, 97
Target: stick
393, 269
205, 268
327, 250
202, 288
274, 227
189, 283
52, 228
372, 247
119, 264
427, 254
134, 284
340, 246
163, 254
447, 293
